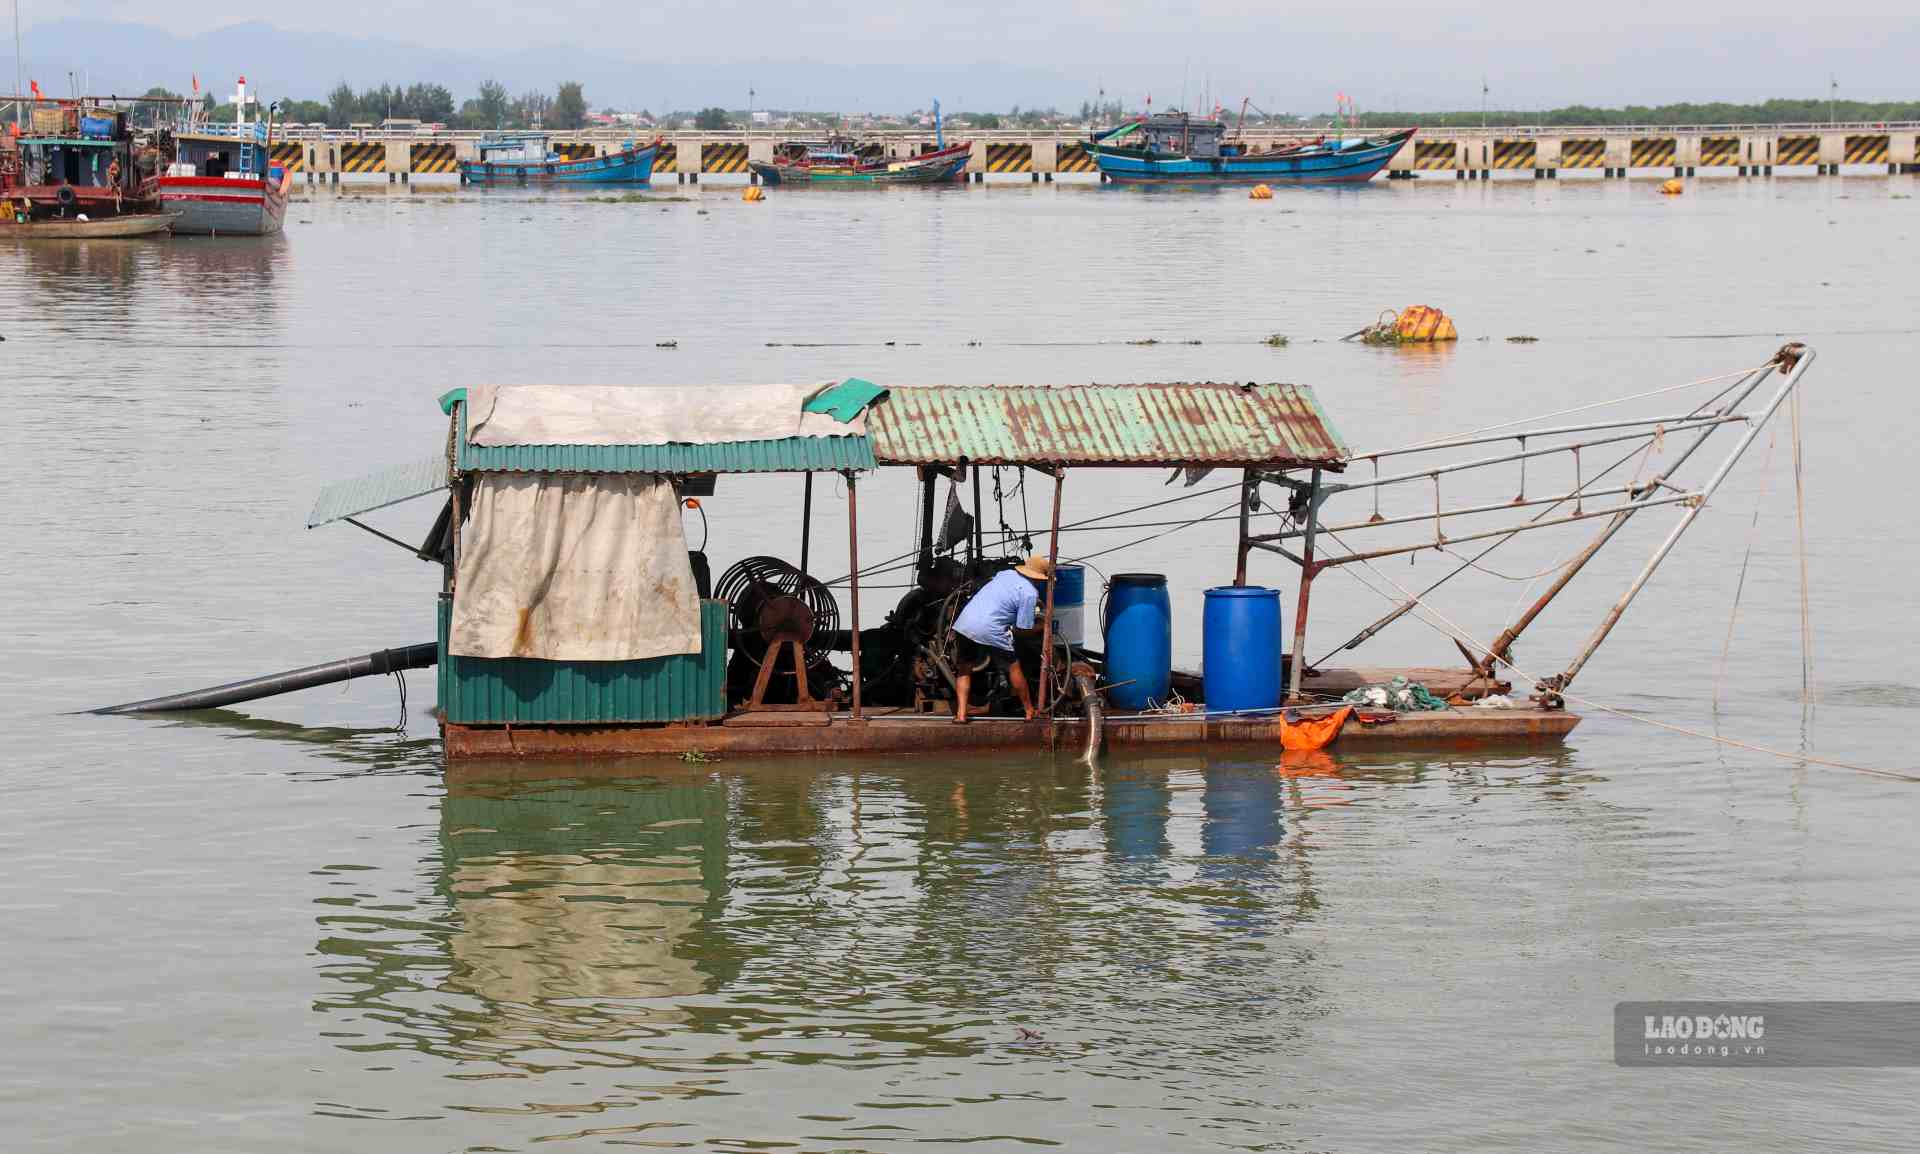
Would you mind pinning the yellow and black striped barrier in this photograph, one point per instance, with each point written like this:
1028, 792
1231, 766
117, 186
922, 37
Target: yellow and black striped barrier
574, 150
723, 158
1513, 153
1009, 158
1074, 158
431, 158
1654, 152
1583, 152
363, 156
666, 158
1719, 151
1434, 155
289, 156
1797, 150
1867, 149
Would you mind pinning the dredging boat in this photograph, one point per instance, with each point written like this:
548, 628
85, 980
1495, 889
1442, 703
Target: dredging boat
529, 158
1177, 148
640, 652
222, 180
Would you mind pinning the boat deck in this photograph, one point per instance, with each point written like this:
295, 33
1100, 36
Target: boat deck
903, 732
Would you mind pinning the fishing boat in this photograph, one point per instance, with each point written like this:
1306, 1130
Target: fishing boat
126, 225
76, 158
939, 166
222, 180
529, 158
842, 160
1176, 148
640, 652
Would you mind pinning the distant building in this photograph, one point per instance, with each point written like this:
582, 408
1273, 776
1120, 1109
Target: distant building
762, 119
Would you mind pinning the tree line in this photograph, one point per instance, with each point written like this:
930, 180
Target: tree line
1666, 115
492, 107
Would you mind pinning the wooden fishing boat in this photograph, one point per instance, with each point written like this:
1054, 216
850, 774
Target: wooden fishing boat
77, 158
222, 180
939, 166
1175, 148
126, 225
528, 158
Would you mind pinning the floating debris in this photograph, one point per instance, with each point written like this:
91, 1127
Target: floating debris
1145, 341
695, 757
1260, 192
1523, 340
666, 344
753, 194
1277, 340
1672, 187
639, 198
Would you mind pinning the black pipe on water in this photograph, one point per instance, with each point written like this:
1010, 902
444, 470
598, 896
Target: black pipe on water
346, 669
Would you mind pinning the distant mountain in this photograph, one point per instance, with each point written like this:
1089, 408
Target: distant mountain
127, 59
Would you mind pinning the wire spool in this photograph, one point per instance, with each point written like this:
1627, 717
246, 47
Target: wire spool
771, 600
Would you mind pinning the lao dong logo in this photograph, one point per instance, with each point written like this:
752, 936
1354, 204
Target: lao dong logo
1699, 1034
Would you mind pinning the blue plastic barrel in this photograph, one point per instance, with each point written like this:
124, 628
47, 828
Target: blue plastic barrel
1138, 626
1240, 647
1069, 602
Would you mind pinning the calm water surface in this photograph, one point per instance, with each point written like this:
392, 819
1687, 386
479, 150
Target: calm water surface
285, 929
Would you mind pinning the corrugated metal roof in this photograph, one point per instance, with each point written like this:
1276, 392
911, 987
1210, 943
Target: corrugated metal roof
783, 455
1270, 425
378, 490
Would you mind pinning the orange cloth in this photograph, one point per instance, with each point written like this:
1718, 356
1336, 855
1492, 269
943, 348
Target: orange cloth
1315, 734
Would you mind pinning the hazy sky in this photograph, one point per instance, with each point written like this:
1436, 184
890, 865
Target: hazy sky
1388, 53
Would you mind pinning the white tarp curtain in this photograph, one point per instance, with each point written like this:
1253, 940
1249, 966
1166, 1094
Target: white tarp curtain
622, 415
574, 567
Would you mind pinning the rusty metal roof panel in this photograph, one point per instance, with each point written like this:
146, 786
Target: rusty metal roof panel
1270, 425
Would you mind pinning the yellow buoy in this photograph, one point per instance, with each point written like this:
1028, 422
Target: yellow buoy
752, 193
1260, 192
1422, 324
1672, 188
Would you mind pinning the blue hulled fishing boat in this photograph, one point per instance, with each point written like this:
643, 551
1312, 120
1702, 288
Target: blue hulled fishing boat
528, 158
1174, 148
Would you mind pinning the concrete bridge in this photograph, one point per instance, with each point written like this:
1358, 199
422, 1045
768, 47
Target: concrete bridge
1539, 153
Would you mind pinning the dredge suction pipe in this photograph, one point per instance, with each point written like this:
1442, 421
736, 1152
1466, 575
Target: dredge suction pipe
346, 669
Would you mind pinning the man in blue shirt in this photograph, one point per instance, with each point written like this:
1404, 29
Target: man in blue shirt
984, 630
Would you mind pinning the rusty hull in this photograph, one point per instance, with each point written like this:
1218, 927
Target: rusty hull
910, 733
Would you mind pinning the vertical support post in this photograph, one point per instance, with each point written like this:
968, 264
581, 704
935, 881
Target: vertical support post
1249, 483
806, 521
853, 568
979, 516
1307, 571
928, 477
1046, 622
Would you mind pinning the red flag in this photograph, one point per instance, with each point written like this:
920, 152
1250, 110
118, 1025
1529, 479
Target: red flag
196, 84
35, 85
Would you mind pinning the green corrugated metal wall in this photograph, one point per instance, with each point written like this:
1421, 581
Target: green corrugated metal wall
784, 455
525, 691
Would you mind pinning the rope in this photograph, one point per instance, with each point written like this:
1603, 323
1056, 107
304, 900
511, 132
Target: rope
1157, 536
1800, 529
400, 679
1450, 629
1753, 530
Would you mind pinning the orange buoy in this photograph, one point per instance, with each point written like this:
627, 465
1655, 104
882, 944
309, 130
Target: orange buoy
752, 193
1422, 325
1672, 187
1260, 192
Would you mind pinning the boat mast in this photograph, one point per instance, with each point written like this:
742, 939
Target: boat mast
939, 137
19, 70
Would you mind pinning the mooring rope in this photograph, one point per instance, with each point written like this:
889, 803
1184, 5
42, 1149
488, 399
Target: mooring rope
1450, 629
